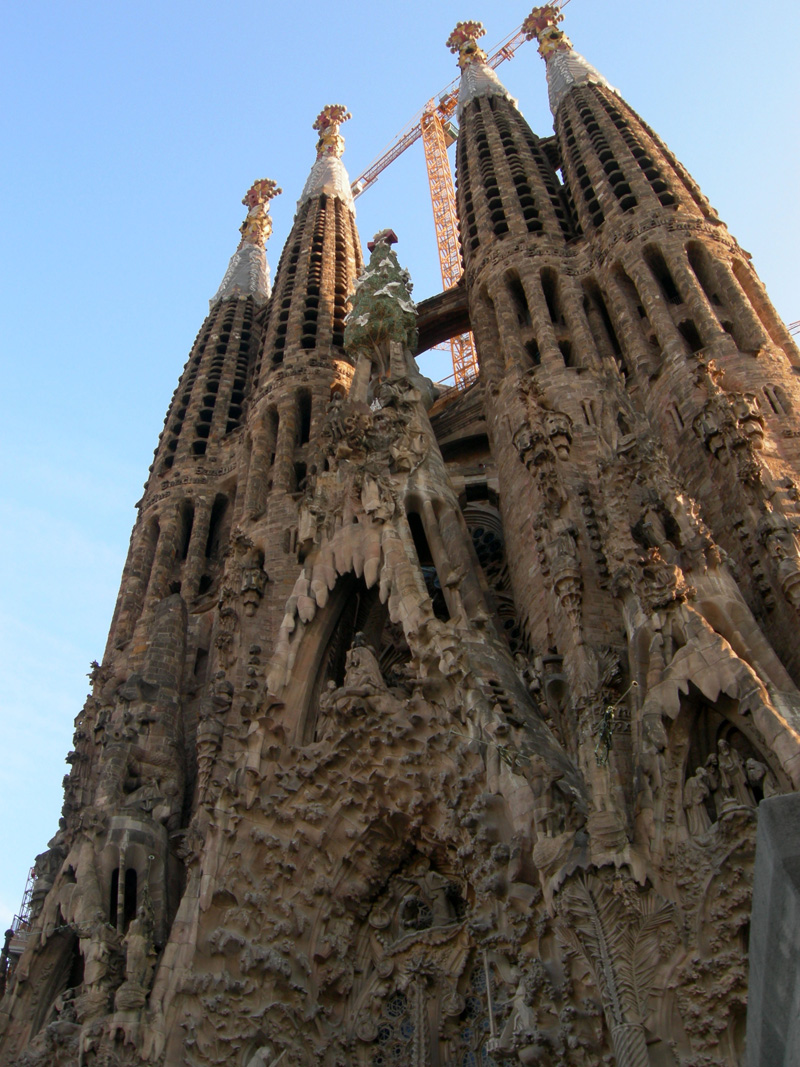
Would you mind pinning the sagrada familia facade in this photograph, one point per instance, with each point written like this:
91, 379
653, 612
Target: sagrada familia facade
431, 729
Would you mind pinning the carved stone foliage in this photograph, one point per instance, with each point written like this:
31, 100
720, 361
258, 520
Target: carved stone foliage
730, 425
625, 935
778, 537
548, 1021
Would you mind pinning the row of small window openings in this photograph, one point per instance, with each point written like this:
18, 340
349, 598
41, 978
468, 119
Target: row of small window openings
590, 197
285, 280
202, 426
489, 178
648, 167
342, 220
463, 184
530, 212
547, 175
308, 335
616, 179
597, 315
212, 383
187, 514
514, 156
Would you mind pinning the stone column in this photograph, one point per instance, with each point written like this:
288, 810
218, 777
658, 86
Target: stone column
196, 553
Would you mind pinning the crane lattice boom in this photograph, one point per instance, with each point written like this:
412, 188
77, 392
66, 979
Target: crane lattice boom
448, 98
433, 126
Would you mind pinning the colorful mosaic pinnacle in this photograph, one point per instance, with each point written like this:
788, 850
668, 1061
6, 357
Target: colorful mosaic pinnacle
261, 191
331, 142
464, 41
542, 23
257, 227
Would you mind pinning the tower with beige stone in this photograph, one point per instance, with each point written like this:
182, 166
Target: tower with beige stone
433, 724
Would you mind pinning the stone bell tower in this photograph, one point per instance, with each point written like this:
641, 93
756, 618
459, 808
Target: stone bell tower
433, 724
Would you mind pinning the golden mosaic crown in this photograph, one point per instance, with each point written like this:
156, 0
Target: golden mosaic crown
331, 142
464, 41
257, 227
261, 192
542, 23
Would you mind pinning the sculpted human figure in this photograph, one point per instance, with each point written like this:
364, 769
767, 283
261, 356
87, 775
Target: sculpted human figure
364, 687
140, 961
362, 672
695, 794
711, 769
732, 777
779, 541
327, 703
759, 778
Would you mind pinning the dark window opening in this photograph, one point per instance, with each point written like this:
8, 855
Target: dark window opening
691, 336
112, 904
303, 418
425, 557
550, 290
476, 491
201, 664
215, 527
129, 898
187, 521
532, 348
661, 273
599, 319
520, 300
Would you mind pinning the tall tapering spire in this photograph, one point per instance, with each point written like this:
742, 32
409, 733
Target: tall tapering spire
248, 270
322, 255
328, 175
506, 183
565, 66
477, 77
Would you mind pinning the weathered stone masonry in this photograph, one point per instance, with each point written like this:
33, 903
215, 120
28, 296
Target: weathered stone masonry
432, 727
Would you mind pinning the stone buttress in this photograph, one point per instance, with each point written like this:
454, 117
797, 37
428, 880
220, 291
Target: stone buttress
623, 555
110, 884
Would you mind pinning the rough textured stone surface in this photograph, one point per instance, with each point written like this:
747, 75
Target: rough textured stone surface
431, 730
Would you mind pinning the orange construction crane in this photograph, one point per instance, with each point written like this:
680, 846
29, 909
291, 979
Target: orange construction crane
434, 125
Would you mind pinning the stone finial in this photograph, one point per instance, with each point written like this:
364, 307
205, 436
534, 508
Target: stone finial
542, 23
463, 41
257, 227
385, 237
248, 272
566, 68
477, 77
331, 142
328, 175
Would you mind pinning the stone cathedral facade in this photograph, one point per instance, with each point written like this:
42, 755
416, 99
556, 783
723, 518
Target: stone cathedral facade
431, 729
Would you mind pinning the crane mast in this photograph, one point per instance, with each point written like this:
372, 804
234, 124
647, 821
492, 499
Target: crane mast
436, 137
437, 131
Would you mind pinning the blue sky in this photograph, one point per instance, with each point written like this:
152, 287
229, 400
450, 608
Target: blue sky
132, 131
